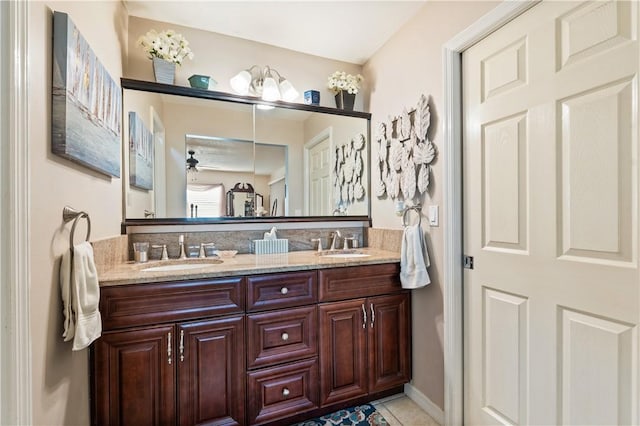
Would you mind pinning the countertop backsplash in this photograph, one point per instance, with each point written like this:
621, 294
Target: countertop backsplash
118, 249
299, 239
110, 251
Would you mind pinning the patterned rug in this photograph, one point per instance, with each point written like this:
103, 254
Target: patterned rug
362, 415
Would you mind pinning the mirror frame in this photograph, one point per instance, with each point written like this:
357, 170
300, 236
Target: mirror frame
169, 89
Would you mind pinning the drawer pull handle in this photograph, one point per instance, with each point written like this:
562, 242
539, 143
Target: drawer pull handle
284, 290
285, 392
181, 345
169, 347
364, 321
285, 336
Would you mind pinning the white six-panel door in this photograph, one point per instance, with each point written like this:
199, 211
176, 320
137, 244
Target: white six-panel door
320, 179
550, 213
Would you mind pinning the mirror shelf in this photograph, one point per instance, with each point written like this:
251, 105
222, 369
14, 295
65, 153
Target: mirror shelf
266, 139
170, 89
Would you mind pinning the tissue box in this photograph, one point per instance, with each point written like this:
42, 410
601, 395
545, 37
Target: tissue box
312, 97
280, 245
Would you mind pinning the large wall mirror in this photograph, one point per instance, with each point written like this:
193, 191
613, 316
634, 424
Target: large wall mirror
214, 156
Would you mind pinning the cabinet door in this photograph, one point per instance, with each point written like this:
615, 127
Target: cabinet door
343, 351
211, 370
134, 380
389, 331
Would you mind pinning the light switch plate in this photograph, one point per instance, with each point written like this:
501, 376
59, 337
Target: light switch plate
434, 220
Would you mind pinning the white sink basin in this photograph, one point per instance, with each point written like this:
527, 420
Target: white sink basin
180, 266
346, 255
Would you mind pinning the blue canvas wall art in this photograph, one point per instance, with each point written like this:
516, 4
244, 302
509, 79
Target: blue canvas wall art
86, 108
140, 153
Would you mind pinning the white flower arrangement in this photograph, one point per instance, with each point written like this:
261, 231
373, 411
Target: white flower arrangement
167, 45
340, 80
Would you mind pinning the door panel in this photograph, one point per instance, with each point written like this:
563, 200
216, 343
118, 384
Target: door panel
210, 356
389, 341
343, 351
136, 370
550, 211
319, 179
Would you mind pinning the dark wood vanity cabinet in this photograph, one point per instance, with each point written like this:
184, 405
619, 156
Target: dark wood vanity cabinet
298, 345
366, 342
364, 354
187, 371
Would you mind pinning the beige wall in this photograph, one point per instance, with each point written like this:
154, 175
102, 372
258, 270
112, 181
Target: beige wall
60, 379
222, 57
408, 65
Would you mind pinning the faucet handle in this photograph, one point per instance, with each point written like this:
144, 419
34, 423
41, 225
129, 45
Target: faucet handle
164, 255
319, 243
203, 252
346, 242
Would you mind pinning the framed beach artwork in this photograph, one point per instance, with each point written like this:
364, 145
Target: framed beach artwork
140, 153
86, 108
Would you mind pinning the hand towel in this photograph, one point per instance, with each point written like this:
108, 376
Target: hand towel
80, 296
414, 259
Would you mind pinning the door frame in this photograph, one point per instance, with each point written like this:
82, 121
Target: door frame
324, 134
453, 234
157, 127
15, 335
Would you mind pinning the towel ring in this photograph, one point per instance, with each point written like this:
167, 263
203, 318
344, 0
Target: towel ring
417, 209
69, 214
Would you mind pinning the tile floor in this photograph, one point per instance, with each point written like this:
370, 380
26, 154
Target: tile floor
400, 410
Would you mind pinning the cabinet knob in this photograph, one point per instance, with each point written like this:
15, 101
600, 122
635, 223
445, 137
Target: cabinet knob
284, 290
285, 336
285, 392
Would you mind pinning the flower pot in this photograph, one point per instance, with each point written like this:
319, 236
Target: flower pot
164, 71
345, 100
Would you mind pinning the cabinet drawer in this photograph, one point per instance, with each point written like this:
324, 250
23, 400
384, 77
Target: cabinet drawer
359, 281
282, 391
281, 290
281, 336
143, 304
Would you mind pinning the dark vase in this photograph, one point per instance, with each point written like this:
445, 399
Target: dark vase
345, 100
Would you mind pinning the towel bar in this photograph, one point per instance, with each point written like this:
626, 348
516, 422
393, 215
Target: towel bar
69, 214
417, 209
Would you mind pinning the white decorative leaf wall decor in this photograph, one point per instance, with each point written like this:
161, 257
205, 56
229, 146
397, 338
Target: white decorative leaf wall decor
405, 153
348, 168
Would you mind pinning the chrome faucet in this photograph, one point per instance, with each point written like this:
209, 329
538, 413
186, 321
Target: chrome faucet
334, 236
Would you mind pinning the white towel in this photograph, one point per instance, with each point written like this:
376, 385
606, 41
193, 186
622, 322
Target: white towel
80, 296
414, 259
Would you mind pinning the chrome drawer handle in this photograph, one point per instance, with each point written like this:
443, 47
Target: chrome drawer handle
373, 315
181, 345
364, 321
284, 290
169, 347
285, 392
285, 336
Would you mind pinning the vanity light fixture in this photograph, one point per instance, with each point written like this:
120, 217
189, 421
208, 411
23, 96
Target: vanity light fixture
266, 83
191, 162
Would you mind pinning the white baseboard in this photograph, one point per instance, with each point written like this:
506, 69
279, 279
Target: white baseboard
425, 403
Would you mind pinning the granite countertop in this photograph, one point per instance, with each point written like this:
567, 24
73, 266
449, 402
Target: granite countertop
241, 264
